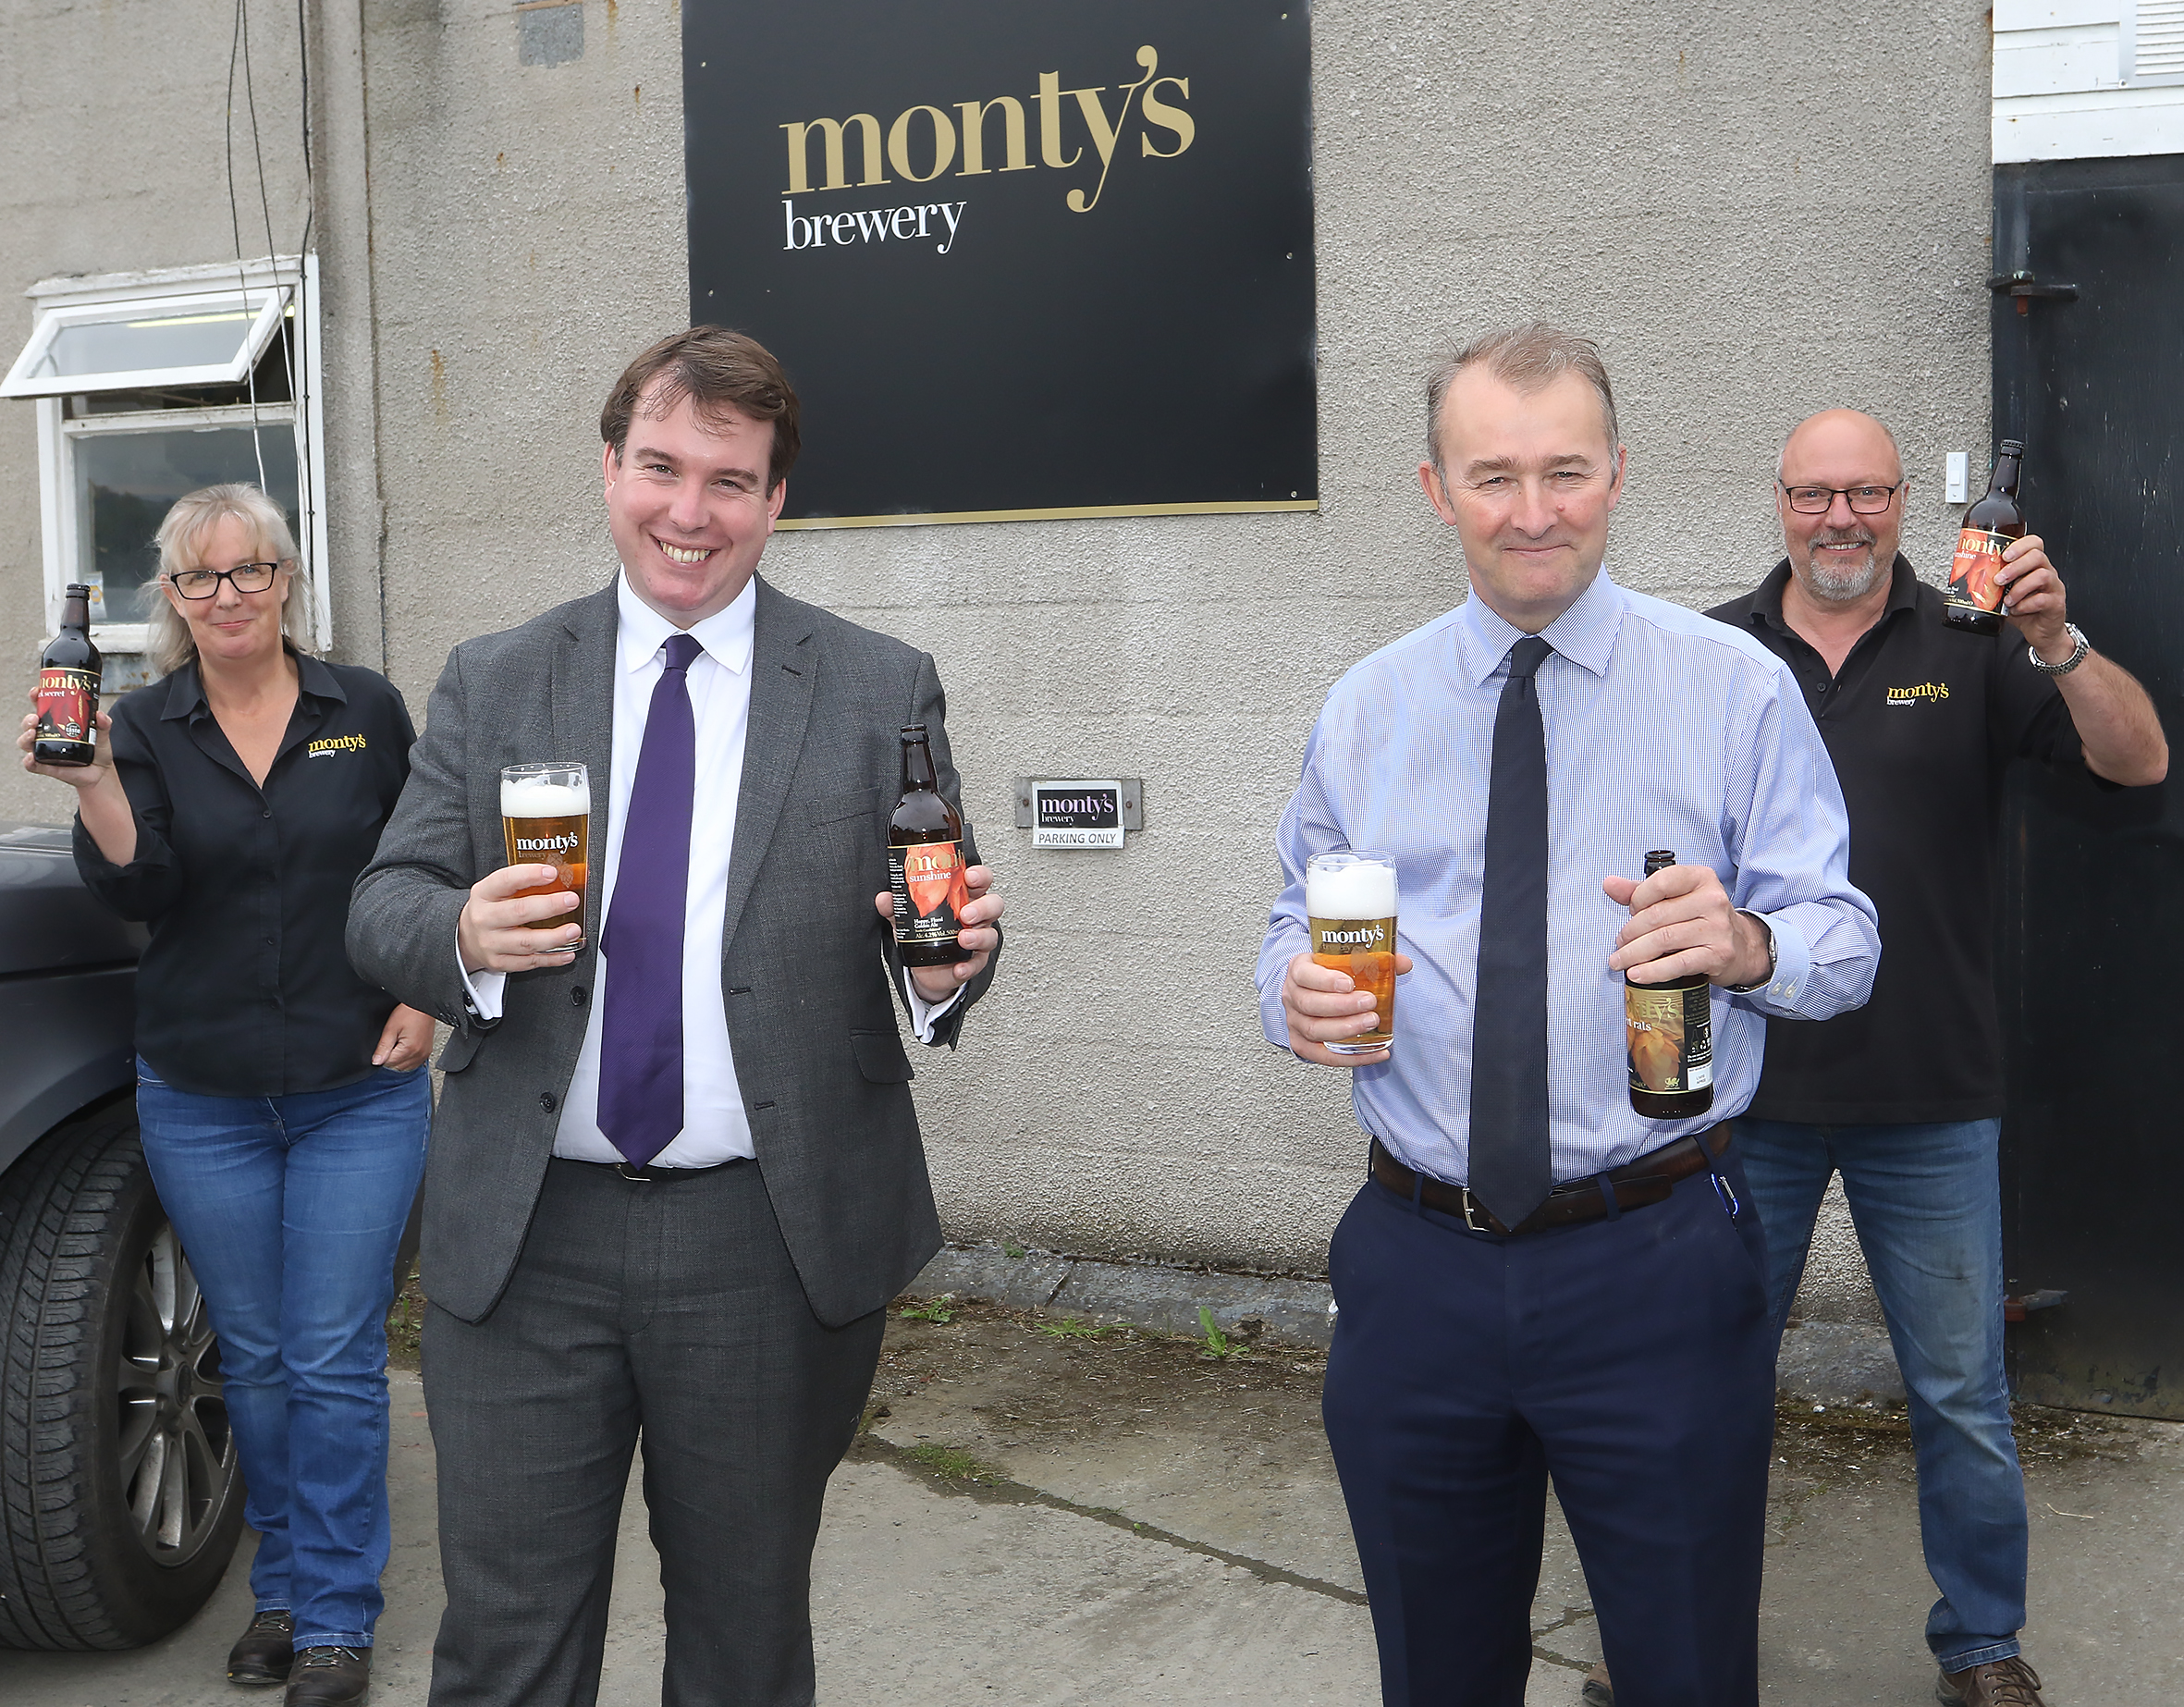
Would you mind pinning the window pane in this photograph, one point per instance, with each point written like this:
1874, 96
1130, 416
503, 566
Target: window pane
127, 481
207, 337
276, 366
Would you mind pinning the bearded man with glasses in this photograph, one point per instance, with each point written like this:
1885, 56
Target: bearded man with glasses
1902, 1097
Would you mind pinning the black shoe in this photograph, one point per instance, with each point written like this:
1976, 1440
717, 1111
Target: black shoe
1597, 1691
261, 1654
330, 1678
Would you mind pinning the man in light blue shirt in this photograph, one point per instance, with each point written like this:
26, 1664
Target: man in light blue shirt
1535, 1279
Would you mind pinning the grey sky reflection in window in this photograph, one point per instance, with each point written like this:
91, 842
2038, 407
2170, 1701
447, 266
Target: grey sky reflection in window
142, 346
210, 338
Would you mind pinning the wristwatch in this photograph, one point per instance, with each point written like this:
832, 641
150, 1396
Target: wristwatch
1773, 955
2069, 664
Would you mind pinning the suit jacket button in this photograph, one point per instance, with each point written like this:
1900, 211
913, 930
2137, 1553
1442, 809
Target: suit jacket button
576, 994
549, 1101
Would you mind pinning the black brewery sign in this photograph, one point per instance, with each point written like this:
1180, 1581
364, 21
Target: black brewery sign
1020, 258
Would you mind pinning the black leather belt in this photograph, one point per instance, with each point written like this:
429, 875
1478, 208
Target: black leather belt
650, 1174
1650, 1179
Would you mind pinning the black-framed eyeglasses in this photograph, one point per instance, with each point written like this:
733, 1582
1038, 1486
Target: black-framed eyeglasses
1819, 500
205, 582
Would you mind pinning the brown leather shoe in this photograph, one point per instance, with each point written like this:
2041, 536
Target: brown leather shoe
1998, 1683
261, 1654
1597, 1691
330, 1678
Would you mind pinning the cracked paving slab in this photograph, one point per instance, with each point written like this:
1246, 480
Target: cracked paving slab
930, 1592
1126, 1519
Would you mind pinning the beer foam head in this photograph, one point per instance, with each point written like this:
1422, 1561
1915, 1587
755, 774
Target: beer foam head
531, 797
1346, 888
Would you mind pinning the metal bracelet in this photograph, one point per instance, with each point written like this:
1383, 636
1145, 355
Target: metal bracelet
2069, 664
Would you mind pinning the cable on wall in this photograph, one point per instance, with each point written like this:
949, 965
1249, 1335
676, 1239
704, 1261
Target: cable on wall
294, 349
235, 49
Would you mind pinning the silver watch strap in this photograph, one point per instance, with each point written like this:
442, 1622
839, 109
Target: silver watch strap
2069, 664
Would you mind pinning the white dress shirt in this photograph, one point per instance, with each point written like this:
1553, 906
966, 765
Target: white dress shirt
715, 1126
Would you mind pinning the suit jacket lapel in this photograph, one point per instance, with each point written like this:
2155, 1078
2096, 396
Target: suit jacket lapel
782, 669
584, 720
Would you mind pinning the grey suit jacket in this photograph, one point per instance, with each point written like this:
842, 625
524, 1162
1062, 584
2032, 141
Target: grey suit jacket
807, 965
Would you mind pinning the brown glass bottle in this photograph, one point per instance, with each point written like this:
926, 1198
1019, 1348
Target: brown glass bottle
68, 688
1972, 600
926, 862
1668, 1032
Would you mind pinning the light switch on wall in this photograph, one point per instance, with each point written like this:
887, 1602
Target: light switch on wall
1957, 477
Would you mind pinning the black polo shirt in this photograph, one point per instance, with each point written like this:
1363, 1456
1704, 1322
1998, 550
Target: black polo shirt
246, 990
1921, 723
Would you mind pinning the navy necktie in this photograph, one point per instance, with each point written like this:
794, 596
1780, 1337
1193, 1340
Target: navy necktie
1511, 1169
640, 1026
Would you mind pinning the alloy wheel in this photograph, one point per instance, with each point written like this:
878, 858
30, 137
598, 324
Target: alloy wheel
176, 1448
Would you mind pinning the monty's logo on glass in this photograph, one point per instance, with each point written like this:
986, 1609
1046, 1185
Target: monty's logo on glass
1079, 129
1332, 938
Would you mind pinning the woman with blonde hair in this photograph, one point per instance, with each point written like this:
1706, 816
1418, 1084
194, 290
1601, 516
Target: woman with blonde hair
230, 807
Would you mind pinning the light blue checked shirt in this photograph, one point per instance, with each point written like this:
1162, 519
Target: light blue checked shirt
1664, 730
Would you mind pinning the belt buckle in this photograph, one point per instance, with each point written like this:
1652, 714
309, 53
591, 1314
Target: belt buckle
1471, 1203
639, 1172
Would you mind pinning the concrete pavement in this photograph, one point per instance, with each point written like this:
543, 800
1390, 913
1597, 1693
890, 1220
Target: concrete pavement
1041, 1514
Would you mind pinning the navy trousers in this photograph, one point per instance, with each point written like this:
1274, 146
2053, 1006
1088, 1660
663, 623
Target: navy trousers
1629, 1358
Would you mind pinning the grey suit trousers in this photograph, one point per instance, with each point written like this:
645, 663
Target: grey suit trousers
666, 1314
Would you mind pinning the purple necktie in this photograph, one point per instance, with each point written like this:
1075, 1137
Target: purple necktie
641, 1029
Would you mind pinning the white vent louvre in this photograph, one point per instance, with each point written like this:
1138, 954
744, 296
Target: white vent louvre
2153, 43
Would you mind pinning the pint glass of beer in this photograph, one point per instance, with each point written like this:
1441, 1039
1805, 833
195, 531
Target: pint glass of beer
1350, 899
546, 814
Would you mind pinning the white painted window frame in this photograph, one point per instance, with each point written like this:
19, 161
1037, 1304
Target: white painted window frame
2172, 14
263, 305
288, 278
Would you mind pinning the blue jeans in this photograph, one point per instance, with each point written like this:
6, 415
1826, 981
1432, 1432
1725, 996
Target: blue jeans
292, 1208
1928, 1206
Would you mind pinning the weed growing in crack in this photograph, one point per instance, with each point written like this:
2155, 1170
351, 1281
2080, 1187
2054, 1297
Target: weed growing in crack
953, 1464
940, 1310
1070, 1328
1216, 1344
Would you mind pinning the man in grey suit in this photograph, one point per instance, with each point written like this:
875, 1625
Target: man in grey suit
676, 1173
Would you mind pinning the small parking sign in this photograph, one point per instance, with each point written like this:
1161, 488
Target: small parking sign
1076, 814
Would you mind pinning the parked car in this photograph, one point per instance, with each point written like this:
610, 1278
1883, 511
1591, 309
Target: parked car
121, 1500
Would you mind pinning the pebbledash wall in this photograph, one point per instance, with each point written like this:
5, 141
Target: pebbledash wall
1757, 211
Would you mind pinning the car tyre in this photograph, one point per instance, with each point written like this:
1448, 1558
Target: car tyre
120, 1493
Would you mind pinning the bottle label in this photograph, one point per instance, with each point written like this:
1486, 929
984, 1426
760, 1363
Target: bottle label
930, 892
67, 705
1671, 1036
1971, 574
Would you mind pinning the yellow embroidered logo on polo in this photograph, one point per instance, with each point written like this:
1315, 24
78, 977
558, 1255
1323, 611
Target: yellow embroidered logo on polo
1926, 693
336, 745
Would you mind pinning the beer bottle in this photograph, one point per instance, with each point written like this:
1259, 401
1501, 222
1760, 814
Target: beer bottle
1669, 1029
926, 862
1972, 600
68, 688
